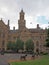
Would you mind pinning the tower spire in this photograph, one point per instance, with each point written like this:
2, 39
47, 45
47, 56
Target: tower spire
21, 21
22, 14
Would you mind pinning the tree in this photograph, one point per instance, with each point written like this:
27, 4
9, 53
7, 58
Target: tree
47, 39
10, 45
19, 45
13, 46
29, 45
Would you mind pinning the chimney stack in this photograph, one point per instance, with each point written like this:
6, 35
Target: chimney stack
38, 26
13, 28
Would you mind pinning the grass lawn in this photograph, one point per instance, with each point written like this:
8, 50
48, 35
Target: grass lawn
43, 61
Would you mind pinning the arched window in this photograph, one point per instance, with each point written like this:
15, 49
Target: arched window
37, 43
3, 35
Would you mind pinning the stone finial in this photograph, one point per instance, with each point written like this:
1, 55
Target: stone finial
8, 22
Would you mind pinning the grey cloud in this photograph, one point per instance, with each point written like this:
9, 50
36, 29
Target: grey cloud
31, 7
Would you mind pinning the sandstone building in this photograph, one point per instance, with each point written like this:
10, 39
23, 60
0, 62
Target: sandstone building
38, 35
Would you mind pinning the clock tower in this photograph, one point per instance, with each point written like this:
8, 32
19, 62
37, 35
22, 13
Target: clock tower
21, 20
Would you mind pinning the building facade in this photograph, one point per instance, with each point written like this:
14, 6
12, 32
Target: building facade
38, 35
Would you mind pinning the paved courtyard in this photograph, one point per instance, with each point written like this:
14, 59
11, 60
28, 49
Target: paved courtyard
6, 57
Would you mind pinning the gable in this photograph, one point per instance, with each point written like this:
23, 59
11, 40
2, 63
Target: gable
2, 25
25, 32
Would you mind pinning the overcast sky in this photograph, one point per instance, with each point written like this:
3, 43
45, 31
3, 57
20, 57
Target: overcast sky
36, 12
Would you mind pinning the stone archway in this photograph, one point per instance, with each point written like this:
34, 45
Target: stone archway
37, 51
37, 47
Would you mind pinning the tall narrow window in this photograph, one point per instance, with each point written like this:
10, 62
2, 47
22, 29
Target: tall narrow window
3, 43
3, 35
37, 43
